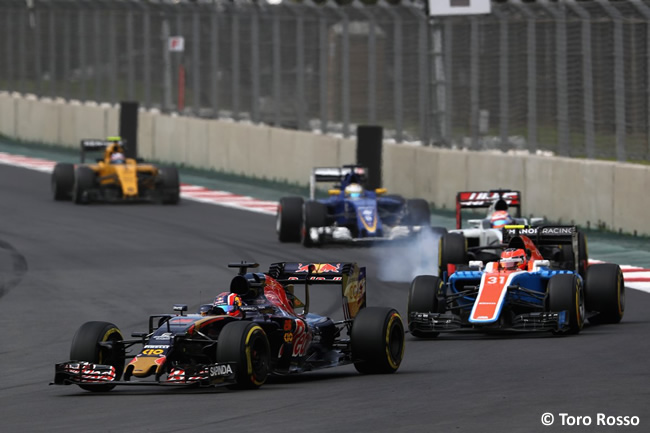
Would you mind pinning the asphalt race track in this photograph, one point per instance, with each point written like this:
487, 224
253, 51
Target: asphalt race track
62, 265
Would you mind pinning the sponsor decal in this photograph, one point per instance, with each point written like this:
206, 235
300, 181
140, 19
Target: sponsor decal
480, 198
288, 337
301, 339
165, 336
319, 268
153, 352
318, 278
154, 346
220, 370
288, 324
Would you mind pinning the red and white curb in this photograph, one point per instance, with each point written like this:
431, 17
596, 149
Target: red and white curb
635, 277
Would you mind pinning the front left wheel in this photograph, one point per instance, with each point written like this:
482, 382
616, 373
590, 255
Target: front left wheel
169, 185
605, 293
564, 293
97, 342
423, 298
377, 340
245, 344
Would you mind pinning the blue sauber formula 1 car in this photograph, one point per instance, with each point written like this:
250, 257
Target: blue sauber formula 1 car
528, 289
258, 328
351, 213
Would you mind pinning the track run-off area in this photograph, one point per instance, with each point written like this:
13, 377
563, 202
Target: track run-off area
62, 265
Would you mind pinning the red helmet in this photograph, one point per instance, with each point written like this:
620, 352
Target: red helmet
230, 303
513, 258
499, 219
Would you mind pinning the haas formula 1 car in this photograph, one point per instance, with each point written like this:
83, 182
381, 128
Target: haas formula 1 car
258, 328
114, 178
351, 213
527, 289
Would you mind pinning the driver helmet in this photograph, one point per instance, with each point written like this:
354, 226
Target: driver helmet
354, 190
117, 158
230, 303
499, 219
513, 258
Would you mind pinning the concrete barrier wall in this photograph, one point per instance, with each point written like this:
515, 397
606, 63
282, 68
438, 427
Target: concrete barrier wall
595, 193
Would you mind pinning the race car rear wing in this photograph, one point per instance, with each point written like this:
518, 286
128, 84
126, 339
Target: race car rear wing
335, 174
348, 275
485, 199
546, 235
96, 145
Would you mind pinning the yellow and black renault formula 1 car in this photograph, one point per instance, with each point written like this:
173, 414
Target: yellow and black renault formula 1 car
114, 177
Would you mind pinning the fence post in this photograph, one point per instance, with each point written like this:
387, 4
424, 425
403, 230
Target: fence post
558, 12
504, 80
474, 82
236, 82
130, 53
255, 64
531, 64
277, 68
196, 62
214, 61
397, 70
323, 65
146, 53
619, 77
645, 11
587, 77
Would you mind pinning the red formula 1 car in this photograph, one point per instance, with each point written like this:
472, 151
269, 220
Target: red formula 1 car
258, 328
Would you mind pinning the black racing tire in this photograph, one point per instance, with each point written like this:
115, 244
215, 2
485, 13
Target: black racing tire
452, 250
84, 181
314, 215
288, 221
419, 212
246, 345
605, 293
85, 347
424, 298
565, 293
62, 181
169, 185
377, 340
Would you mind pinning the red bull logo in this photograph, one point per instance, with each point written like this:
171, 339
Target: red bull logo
319, 268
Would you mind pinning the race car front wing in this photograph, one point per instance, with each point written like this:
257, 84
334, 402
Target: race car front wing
88, 373
535, 321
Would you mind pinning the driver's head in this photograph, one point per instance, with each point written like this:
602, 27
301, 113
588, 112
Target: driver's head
499, 219
354, 190
229, 302
513, 258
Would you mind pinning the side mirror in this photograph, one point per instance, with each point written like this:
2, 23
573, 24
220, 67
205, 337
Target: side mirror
380, 191
334, 191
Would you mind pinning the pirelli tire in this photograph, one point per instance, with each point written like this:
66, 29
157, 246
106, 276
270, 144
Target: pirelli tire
377, 340
96, 342
246, 345
288, 222
84, 182
424, 297
605, 293
565, 293
314, 215
419, 212
452, 250
62, 181
169, 185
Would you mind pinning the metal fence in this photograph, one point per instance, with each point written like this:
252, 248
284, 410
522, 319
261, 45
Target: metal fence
570, 77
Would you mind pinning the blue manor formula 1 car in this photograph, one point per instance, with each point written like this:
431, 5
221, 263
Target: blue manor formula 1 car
351, 213
536, 285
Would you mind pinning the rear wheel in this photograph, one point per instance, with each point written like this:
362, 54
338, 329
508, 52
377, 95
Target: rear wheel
377, 340
419, 212
86, 347
605, 293
288, 222
452, 250
84, 181
423, 298
564, 293
62, 181
315, 215
245, 344
169, 185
